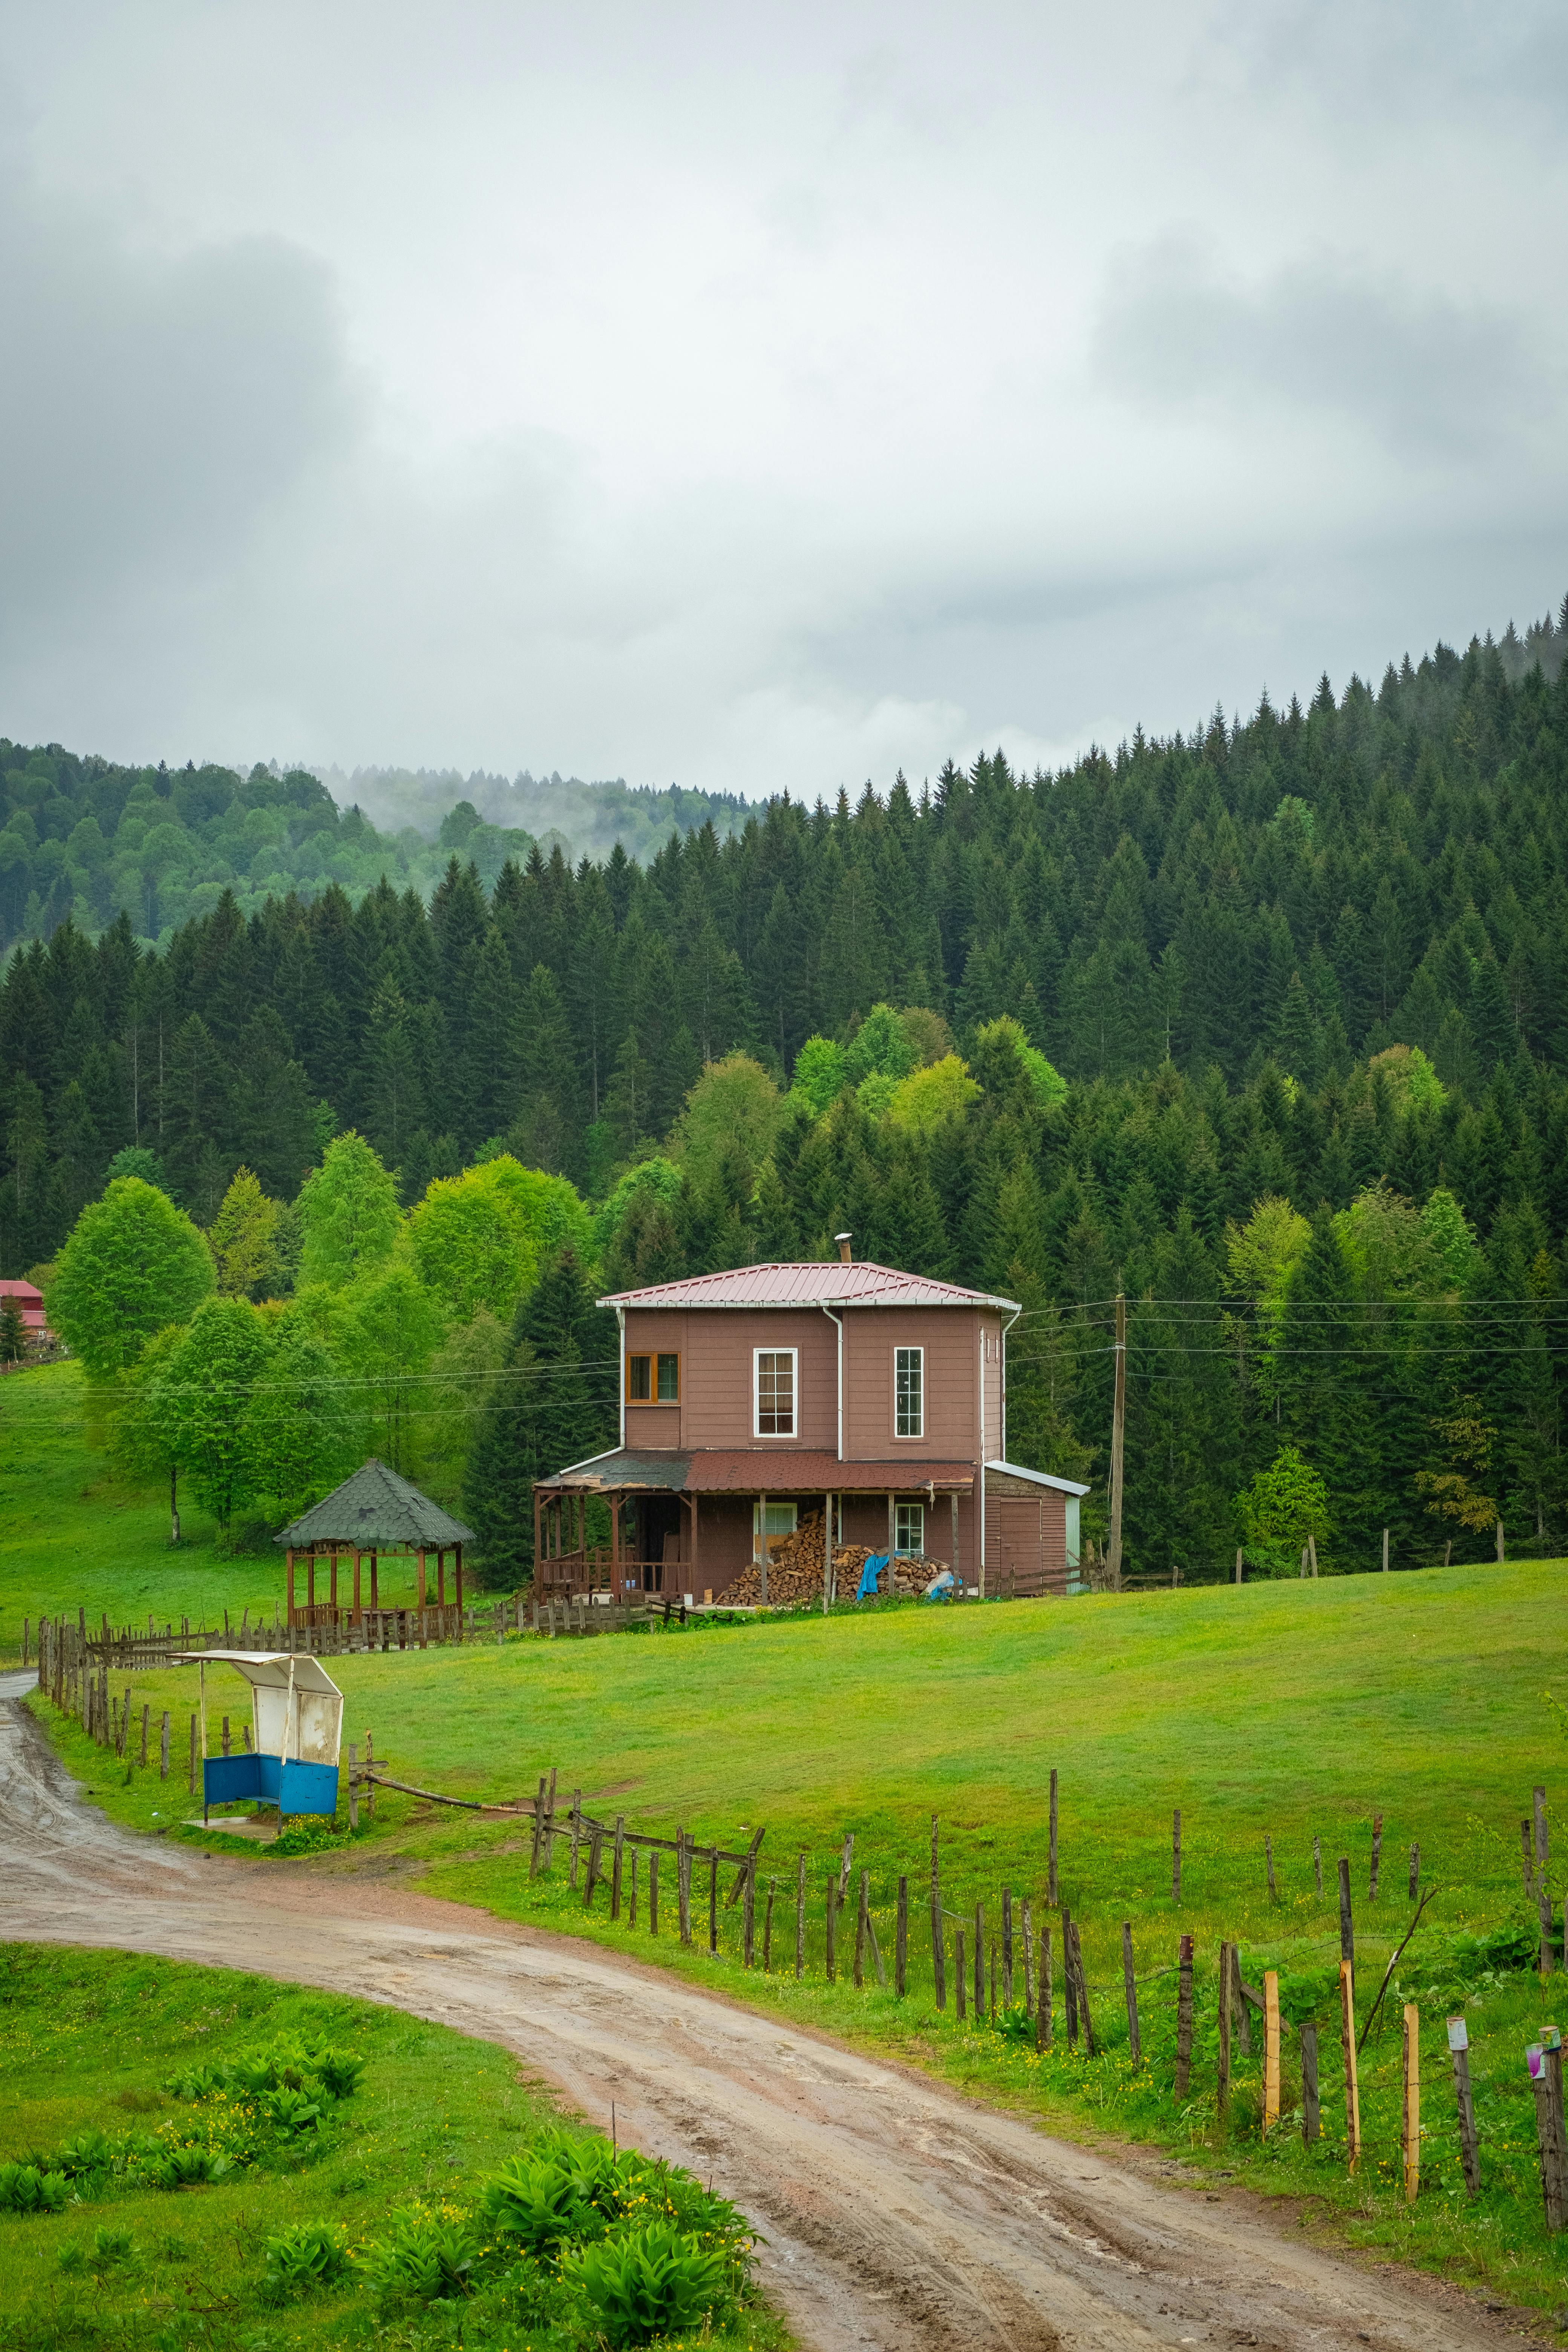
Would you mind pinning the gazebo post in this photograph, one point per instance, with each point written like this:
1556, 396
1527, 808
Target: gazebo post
357, 1557
333, 1586
374, 1589
290, 1586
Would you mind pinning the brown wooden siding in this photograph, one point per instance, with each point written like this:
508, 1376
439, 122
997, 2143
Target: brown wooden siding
1025, 1539
715, 1347
948, 1335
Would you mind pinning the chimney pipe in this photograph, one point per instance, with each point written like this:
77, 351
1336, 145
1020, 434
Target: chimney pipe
842, 1240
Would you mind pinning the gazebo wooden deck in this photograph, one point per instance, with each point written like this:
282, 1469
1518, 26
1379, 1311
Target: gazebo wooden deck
375, 1512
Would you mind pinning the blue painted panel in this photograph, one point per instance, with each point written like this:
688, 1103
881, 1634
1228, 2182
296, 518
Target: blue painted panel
309, 1788
271, 1778
229, 1779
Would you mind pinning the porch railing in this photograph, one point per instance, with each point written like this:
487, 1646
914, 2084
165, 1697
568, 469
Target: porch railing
569, 1573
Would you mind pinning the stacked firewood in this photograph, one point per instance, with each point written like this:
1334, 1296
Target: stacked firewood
794, 1570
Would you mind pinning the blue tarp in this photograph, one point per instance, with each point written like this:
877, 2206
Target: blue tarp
868, 1575
293, 1787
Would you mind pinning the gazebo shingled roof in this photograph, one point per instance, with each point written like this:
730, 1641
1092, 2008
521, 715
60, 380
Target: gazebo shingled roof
375, 1510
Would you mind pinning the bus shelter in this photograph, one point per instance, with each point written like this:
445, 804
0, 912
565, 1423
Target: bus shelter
296, 1738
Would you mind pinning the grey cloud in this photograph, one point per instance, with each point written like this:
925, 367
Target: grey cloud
1425, 375
1403, 60
154, 411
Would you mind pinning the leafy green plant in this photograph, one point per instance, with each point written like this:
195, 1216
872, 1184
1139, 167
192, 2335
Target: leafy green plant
110, 2249
306, 1833
543, 2203
89, 2152
650, 2284
304, 2259
24, 2188
291, 2111
424, 2258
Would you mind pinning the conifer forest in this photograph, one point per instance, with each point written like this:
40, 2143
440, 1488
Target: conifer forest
1264, 1027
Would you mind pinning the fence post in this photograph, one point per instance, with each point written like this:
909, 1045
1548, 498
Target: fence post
1129, 1981
938, 1958
1410, 2134
1271, 2051
1347, 2044
1347, 1924
1185, 2017
1469, 2149
1052, 1893
1311, 2119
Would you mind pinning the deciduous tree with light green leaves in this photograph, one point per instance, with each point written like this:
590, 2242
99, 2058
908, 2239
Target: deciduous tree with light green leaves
201, 1399
348, 1213
479, 1239
133, 1263
244, 1239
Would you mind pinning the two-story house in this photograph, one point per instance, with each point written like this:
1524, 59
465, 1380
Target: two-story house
751, 1398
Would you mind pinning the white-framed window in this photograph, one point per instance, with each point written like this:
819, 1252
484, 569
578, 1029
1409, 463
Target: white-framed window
908, 1391
908, 1528
782, 1521
773, 1391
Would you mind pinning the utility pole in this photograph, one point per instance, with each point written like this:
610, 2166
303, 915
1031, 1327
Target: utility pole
1118, 1442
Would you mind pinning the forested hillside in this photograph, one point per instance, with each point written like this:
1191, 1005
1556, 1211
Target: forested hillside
1304, 981
86, 839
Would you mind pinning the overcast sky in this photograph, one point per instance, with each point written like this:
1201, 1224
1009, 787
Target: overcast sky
762, 396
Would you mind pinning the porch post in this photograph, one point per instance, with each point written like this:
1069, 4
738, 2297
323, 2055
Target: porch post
694, 1508
615, 1542
953, 1562
290, 1586
762, 1527
892, 1539
538, 1533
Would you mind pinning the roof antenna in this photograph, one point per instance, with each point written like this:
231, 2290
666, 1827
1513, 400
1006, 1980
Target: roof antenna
844, 1241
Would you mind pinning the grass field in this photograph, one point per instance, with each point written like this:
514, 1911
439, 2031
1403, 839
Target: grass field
1293, 1710
73, 1534
91, 2043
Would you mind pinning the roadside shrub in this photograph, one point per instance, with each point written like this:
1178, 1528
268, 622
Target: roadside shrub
24, 2189
306, 1833
650, 2284
424, 2258
303, 2259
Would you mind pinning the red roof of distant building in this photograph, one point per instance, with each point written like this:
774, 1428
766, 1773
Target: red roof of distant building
28, 1299
812, 1282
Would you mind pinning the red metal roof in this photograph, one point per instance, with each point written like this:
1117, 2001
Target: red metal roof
750, 1470
29, 1302
811, 1282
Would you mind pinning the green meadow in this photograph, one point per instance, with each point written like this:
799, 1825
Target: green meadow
286, 2240
1292, 1712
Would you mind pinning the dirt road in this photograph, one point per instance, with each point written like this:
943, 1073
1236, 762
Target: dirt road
897, 2216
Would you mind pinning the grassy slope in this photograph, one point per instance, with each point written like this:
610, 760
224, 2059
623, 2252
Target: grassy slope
1295, 1709
73, 1534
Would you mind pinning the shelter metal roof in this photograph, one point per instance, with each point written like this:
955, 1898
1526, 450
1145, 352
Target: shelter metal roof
376, 1510
811, 1282
271, 1668
748, 1471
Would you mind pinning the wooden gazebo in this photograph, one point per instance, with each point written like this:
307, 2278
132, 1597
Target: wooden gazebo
375, 1512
